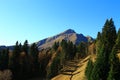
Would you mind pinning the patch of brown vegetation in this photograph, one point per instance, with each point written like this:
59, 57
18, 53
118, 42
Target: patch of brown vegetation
6, 75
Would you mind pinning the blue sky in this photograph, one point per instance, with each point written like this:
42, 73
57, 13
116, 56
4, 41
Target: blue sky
37, 19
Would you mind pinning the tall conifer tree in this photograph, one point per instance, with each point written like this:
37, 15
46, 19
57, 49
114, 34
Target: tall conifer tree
88, 70
114, 73
108, 37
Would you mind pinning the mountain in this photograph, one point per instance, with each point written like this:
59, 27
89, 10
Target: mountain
68, 35
5, 47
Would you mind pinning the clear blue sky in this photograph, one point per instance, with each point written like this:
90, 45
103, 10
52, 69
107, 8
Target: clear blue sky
37, 19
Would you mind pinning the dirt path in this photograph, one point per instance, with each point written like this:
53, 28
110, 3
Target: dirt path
73, 70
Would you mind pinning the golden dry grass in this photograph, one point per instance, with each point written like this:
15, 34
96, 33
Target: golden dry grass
62, 77
78, 74
118, 55
93, 57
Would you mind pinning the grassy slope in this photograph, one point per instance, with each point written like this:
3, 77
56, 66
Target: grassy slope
78, 74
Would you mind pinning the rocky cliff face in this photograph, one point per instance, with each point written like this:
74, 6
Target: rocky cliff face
68, 35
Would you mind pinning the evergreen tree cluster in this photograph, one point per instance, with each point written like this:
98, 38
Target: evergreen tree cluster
82, 50
106, 66
68, 49
65, 51
89, 69
55, 66
23, 62
4, 59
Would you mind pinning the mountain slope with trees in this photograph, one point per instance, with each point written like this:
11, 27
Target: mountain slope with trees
67, 55
68, 35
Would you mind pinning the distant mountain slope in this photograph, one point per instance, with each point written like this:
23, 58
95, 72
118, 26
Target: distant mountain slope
5, 47
69, 35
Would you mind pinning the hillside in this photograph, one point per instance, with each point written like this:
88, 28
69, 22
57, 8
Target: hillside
74, 71
45, 59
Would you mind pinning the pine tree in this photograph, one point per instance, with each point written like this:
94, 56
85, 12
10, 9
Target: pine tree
54, 67
64, 46
89, 69
98, 42
81, 50
34, 54
25, 47
70, 51
4, 58
99, 70
74, 50
55, 45
114, 73
25, 61
12, 60
14, 64
108, 37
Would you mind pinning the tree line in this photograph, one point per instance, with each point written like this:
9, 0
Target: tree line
26, 61
23, 62
65, 51
106, 66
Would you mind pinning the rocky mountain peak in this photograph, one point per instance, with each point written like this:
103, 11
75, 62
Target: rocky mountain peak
68, 35
69, 31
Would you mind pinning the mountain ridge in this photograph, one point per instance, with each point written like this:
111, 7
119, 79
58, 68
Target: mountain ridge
68, 35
